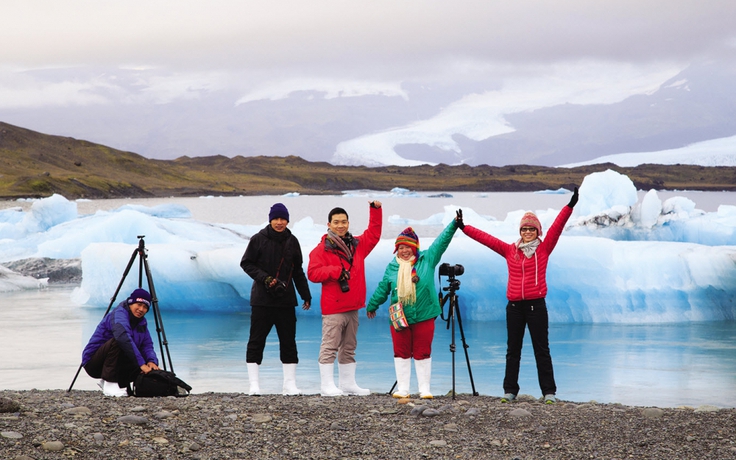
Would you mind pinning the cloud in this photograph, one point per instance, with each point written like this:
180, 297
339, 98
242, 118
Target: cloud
23, 90
358, 38
330, 88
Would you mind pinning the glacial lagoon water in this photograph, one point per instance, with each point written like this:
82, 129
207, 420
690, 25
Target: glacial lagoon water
663, 365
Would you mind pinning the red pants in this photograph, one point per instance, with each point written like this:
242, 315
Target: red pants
414, 341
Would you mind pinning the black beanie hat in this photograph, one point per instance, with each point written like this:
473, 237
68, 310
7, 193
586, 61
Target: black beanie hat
278, 210
140, 296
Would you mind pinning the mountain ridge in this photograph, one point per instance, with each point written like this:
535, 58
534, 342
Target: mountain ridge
35, 165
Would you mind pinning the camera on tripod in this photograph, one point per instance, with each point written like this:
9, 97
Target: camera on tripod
451, 270
453, 310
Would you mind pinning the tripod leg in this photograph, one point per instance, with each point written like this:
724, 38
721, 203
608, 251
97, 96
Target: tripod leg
451, 326
112, 301
163, 342
465, 347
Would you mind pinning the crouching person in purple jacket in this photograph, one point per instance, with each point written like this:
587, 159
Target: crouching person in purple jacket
121, 347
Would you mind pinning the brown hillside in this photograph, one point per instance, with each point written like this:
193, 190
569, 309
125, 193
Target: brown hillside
37, 165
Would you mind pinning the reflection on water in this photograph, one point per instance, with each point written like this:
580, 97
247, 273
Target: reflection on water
658, 365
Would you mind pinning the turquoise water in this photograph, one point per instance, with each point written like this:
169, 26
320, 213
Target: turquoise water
660, 365
664, 365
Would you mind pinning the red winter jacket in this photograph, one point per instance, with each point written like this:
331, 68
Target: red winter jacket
325, 268
527, 276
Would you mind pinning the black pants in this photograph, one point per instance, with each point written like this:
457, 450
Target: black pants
111, 364
532, 314
262, 319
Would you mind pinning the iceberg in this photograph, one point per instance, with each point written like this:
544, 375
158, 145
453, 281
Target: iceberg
619, 260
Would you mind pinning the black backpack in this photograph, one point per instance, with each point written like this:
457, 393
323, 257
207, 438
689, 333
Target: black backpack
158, 383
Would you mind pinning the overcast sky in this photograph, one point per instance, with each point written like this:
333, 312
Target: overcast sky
63, 53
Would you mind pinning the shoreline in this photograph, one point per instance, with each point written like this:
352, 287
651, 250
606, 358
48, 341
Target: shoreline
43, 424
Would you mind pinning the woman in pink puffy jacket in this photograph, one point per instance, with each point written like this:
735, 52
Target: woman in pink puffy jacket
526, 289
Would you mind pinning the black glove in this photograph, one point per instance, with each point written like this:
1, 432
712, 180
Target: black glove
574, 199
459, 219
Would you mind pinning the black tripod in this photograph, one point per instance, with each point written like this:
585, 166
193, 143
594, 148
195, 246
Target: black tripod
452, 311
140, 252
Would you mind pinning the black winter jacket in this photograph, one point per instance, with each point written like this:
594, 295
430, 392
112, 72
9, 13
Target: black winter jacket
276, 254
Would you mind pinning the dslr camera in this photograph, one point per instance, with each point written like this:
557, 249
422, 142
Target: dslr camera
278, 289
343, 280
451, 270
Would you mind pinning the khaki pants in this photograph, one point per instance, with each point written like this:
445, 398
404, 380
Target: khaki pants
339, 337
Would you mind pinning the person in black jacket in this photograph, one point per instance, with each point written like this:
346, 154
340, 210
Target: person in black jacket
273, 259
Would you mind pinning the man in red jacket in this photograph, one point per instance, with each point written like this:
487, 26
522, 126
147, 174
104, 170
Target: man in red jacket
338, 263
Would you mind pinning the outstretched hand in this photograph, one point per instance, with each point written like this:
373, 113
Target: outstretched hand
574, 199
459, 219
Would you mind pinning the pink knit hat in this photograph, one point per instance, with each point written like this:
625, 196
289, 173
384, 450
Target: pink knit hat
530, 220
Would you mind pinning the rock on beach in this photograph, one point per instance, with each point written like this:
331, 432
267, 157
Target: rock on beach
54, 424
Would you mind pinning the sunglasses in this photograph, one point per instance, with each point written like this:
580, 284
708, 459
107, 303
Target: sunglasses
527, 229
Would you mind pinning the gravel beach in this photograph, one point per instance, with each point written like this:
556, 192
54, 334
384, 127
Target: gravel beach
54, 424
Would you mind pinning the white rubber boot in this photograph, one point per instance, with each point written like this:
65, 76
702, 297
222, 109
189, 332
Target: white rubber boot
255, 387
347, 380
113, 389
403, 377
290, 380
327, 380
424, 374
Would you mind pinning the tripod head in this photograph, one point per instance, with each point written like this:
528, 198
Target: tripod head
450, 271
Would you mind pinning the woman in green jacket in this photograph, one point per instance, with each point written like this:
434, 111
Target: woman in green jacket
409, 279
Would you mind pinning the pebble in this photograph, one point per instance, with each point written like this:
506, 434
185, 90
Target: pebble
194, 447
338, 426
262, 418
213, 425
81, 410
52, 446
417, 410
8, 405
707, 408
653, 412
133, 419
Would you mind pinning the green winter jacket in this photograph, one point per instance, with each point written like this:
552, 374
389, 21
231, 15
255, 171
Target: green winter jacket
427, 305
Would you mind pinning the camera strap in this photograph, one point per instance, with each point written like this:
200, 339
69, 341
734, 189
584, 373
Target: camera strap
278, 270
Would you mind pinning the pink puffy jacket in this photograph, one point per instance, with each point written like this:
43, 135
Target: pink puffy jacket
527, 276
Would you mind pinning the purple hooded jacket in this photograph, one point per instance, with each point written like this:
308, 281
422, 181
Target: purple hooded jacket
130, 332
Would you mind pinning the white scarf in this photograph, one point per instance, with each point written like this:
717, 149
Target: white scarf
405, 288
528, 248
